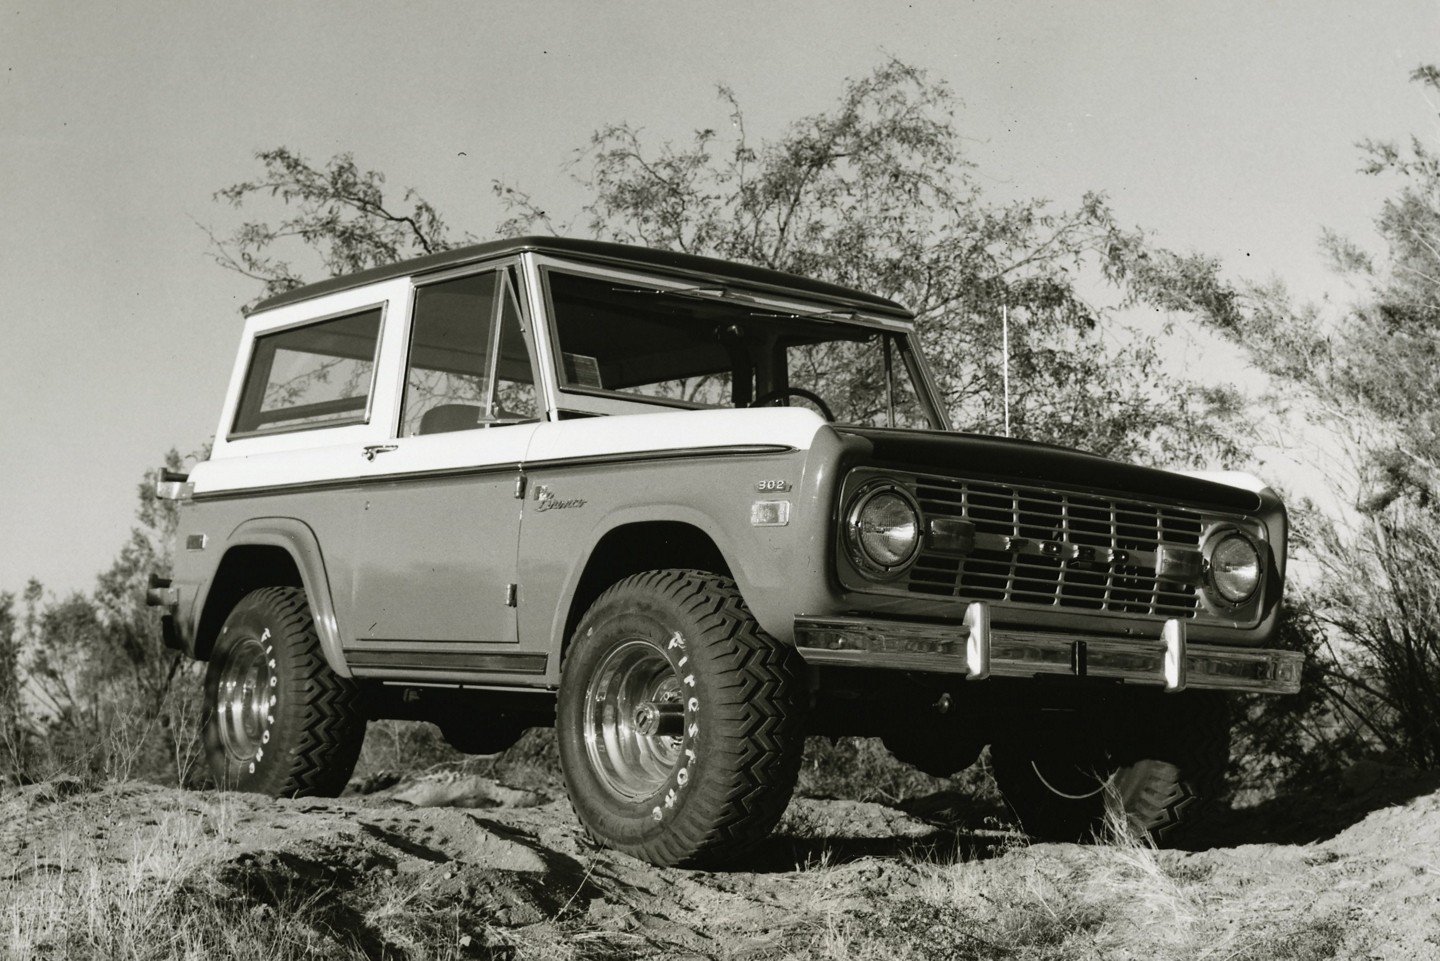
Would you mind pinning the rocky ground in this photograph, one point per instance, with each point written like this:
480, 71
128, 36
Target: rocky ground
462, 865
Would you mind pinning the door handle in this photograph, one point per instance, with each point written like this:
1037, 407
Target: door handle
369, 452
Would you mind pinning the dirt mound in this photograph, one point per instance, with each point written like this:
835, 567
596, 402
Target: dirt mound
467, 867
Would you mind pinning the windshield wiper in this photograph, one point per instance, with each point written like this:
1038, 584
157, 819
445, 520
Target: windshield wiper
822, 315
707, 290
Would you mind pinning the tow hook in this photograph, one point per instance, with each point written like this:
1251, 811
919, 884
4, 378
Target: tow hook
161, 594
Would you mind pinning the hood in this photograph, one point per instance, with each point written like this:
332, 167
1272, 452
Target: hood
781, 428
1022, 461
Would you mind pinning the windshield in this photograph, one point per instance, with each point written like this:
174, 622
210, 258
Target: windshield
699, 347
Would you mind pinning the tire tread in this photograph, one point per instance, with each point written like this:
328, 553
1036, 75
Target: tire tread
327, 710
763, 685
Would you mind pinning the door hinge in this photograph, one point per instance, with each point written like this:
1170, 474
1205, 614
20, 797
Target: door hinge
520, 484
511, 590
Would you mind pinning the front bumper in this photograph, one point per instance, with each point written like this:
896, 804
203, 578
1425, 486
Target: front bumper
977, 651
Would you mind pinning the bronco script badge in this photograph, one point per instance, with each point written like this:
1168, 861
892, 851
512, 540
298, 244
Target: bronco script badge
545, 500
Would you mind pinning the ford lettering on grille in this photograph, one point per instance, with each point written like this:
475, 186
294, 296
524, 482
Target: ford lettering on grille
1056, 548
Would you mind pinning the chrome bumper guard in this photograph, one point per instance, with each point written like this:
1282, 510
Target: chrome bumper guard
977, 651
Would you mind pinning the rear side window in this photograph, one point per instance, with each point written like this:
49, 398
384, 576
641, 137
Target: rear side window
318, 375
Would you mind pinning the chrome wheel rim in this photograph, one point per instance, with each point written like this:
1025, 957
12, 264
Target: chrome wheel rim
620, 699
243, 699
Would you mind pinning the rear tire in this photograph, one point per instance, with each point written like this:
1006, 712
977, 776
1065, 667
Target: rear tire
277, 719
679, 720
1158, 767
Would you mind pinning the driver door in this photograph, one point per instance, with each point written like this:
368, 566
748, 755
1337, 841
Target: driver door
440, 520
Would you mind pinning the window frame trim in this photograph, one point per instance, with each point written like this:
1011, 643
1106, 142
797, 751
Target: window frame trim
542, 265
381, 305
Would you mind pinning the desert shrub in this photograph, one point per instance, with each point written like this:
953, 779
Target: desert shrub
87, 687
1283, 745
1364, 375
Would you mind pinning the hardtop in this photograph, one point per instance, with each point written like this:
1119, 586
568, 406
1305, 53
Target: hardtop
597, 251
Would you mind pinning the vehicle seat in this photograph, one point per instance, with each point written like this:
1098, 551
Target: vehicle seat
443, 418
502, 414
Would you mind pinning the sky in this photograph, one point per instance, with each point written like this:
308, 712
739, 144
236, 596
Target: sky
1224, 127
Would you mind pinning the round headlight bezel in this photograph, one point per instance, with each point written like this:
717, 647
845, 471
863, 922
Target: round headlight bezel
1213, 543
870, 566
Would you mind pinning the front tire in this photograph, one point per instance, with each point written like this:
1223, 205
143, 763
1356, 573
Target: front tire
679, 720
1157, 766
277, 719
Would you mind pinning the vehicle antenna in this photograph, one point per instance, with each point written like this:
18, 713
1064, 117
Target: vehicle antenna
1005, 360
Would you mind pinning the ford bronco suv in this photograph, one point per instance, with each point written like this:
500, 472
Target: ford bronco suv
689, 512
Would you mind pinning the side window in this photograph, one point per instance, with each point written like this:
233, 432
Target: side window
468, 366
318, 375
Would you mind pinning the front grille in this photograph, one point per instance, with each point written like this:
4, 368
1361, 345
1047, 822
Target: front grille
996, 572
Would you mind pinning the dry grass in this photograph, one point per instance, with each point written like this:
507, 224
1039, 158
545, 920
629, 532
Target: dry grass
185, 887
181, 893
1112, 900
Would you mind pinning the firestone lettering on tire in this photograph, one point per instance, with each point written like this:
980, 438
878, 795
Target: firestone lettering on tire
692, 707
272, 739
733, 771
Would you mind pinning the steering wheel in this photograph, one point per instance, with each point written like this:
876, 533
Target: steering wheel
809, 395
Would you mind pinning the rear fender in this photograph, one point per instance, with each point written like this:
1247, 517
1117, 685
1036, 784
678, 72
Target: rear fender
299, 542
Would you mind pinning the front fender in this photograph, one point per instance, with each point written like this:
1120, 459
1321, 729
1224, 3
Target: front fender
624, 517
778, 569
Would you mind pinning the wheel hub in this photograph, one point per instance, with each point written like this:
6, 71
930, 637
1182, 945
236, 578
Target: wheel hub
634, 720
660, 718
243, 701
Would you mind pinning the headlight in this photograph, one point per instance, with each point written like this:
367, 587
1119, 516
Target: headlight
882, 530
1233, 567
